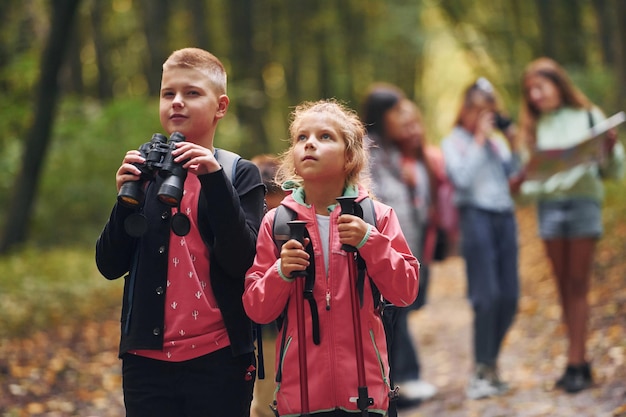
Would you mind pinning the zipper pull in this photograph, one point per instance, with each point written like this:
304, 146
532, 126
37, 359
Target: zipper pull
327, 300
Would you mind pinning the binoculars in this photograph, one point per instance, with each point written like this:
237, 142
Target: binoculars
158, 159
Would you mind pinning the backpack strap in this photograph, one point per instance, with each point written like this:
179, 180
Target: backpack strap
281, 233
228, 160
365, 210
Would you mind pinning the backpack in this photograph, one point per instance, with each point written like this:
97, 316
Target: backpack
280, 230
228, 160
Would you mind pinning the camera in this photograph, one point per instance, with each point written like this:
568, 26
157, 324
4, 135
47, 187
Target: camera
158, 159
502, 122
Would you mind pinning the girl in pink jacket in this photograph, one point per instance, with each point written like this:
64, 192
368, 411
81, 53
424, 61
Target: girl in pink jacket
327, 159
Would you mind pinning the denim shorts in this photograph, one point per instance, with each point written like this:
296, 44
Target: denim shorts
570, 218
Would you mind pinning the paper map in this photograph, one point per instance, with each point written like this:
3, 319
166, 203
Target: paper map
548, 162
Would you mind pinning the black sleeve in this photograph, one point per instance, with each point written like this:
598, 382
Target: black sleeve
234, 214
114, 247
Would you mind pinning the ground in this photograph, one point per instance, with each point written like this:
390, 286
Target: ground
533, 355
73, 370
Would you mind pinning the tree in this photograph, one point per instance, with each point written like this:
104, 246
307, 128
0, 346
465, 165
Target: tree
101, 46
38, 138
156, 23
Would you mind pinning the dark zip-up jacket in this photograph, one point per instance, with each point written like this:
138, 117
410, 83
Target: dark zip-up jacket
228, 217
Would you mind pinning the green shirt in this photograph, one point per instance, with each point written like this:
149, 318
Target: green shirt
565, 128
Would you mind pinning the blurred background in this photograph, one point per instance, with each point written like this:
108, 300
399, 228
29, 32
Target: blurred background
79, 82
80, 78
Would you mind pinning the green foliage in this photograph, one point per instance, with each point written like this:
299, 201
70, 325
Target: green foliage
43, 289
77, 188
430, 49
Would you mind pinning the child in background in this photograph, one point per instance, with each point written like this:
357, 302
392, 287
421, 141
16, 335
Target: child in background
327, 159
403, 177
555, 114
186, 342
483, 171
268, 165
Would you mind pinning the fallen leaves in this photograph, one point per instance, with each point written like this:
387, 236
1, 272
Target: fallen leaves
71, 368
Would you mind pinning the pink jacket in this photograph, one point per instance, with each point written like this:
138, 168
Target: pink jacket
332, 372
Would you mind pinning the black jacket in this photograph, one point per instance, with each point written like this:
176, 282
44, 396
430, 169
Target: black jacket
228, 217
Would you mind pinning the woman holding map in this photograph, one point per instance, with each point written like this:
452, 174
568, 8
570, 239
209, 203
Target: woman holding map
557, 115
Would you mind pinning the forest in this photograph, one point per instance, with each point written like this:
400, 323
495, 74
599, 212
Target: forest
80, 78
79, 86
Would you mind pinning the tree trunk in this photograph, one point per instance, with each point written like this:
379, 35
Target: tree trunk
246, 74
101, 47
21, 203
156, 23
199, 27
71, 78
620, 43
604, 17
572, 44
545, 13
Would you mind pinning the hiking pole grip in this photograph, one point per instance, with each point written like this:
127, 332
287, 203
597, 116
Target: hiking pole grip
296, 231
347, 205
363, 400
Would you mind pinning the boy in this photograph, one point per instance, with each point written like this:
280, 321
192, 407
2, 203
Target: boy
186, 343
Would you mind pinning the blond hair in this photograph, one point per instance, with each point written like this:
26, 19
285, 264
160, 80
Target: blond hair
352, 132
201, 60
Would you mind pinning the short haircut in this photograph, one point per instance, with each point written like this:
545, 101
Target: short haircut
201, 60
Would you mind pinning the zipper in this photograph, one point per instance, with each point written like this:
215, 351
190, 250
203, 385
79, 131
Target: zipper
380, 360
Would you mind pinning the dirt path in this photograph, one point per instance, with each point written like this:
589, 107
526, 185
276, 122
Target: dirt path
532, 357
73, 371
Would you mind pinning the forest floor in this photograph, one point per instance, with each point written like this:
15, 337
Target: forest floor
533, 355
73, 370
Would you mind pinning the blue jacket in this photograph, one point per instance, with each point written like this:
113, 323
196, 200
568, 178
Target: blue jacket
480, 173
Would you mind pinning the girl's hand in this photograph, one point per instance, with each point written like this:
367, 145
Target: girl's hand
610, 140
407, 173
352, 229
515, 182
127, 171
484, 126
293, 257
197, 159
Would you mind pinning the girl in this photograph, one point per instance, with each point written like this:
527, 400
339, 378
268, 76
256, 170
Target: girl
327, 159
404, 177
555, 114
482, 169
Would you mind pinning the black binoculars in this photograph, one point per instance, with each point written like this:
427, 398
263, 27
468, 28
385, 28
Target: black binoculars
158, 158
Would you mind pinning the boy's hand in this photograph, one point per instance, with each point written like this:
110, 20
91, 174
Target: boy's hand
127, 171
293, 257
352, 229
198, 159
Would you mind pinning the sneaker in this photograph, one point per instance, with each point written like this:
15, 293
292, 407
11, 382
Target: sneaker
493, 376
576, 378
417, 389
486, 383
480, 388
